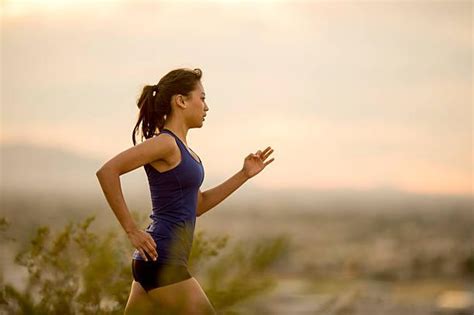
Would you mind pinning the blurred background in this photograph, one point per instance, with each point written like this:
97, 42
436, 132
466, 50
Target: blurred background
367, 105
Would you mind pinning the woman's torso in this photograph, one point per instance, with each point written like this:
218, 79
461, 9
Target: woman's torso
174, 199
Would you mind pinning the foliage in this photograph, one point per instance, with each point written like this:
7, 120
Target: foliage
242, 273
70, 272
78, 271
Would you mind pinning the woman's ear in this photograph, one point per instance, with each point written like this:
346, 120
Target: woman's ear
178, 100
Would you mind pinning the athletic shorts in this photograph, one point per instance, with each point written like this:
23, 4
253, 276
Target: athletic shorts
152, 274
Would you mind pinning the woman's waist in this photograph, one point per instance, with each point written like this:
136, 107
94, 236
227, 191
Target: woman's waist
162, 226
172, 214
171, 218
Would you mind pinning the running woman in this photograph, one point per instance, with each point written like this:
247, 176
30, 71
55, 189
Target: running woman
161, 280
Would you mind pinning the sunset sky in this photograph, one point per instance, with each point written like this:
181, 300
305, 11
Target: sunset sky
354, 94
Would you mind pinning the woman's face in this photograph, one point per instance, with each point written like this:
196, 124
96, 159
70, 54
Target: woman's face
197, 106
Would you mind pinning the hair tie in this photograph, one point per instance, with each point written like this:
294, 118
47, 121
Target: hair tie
154, 89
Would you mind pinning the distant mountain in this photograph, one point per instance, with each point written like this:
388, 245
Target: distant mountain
28, 170
38, 169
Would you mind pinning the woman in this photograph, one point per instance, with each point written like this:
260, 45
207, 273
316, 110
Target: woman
161, 280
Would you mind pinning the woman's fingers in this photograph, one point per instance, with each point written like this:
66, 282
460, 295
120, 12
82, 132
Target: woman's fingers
150, 250
145, 244
152, 240
262, 154
266, 153
142, 253
269, 161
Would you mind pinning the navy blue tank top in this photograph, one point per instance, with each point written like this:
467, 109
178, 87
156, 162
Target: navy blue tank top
174, 199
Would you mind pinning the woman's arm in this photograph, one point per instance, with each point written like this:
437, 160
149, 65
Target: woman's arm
108, 175
253, 164
156, 148
212, 197
110, 182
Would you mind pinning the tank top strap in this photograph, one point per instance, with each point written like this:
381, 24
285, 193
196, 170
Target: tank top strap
175, 136
183, 146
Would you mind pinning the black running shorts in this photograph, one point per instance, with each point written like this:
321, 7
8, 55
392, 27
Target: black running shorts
152, 274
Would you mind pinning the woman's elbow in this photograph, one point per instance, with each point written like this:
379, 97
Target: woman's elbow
103, 170
100, 173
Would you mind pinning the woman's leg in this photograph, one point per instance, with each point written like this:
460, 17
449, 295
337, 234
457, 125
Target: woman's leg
184, 297
138, 301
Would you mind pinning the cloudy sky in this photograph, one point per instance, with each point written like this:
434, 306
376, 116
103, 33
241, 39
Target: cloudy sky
353, 94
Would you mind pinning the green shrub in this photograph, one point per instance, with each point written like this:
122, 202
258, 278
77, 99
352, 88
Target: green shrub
77, 271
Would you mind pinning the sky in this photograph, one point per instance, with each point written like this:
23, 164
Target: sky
349, 94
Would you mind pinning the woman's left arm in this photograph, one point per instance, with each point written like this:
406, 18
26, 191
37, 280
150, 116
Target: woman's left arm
253, 164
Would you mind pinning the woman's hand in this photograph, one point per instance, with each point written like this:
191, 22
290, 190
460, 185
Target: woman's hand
255, 163
143, 242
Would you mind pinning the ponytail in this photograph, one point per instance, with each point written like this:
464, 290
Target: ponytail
154, 102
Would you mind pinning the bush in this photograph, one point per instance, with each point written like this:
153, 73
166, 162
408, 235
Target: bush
76, 271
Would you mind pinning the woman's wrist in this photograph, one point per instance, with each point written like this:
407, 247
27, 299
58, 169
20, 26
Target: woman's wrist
130, 230
243, 175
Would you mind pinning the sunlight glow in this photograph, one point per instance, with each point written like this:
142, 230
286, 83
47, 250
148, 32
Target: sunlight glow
18, 8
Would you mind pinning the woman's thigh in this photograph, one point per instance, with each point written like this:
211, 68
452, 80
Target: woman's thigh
184, 297
138, 301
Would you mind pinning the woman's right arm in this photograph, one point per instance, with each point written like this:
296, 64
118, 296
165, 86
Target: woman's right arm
153, 149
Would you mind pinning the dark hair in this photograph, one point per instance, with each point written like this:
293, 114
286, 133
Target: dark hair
155, 101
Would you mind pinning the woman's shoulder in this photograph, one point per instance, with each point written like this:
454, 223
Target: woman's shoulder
162, 146
162, 141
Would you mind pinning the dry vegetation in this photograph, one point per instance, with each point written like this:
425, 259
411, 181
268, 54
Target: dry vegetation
270, 261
